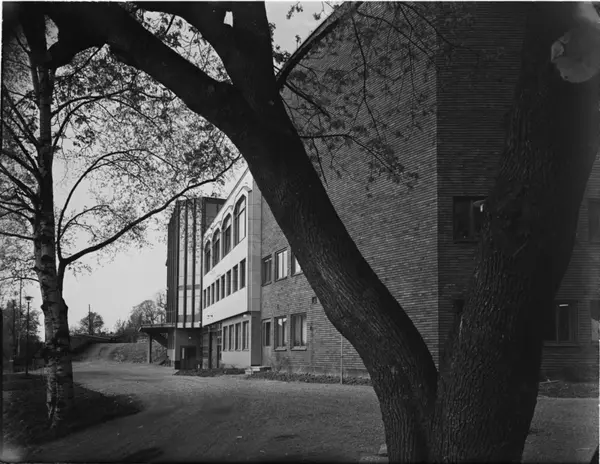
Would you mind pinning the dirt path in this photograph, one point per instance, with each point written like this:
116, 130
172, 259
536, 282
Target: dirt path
230, 418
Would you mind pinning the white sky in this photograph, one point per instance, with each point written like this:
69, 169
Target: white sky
113, 288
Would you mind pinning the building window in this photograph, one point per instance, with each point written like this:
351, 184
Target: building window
207, 258
242, 273
245, 334
225, 339
204, 305
228, 283
594, 220
217, 290
298, 330
266, 270
314, 300
239, 218
234, 279
296, 269
281, 262
561, 325
595, 315
280, 332
222, 287
212, 294
230, 338
227, 235
266, 333
216, 248
468, 218
237, 336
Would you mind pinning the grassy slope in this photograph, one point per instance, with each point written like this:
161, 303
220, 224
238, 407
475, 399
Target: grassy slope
122, 352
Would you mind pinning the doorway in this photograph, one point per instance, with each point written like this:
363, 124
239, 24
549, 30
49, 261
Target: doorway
188, 357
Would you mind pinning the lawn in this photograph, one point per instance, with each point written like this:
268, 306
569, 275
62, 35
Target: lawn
25, 415
553, 389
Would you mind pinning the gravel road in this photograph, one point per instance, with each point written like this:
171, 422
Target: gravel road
231, 418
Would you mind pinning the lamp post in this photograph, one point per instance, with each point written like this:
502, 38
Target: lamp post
28, 298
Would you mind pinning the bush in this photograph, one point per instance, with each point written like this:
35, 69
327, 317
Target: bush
308, 378
211, 372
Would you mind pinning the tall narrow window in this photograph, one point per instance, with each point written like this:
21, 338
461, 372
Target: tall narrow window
296, 269
204, 298
281, 262
207, 261
239, 225
594, 220
266, 269
245, 334
242, 273
280, 332
560, 326
216, 247
468, 218
227, 235
237, 336
298, 330
212, 294
266, 333
225, 339
222, 287
231, 338
217, 289
234, 279
228, 283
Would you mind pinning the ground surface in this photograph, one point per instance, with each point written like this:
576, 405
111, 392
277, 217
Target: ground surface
231, 418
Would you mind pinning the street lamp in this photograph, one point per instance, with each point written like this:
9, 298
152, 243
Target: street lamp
28, 298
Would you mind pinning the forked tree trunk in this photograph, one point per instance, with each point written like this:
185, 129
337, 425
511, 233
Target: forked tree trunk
482, 407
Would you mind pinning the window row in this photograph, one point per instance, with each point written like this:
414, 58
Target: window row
228, 283
220, 244
561, 326
280, 266
279, 333
468, 219
236, 337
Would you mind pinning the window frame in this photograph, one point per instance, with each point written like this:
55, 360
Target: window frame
207, 257
226, 228
278, 255
573, 318
245, 335
212, 293
474, 236
266, 333
216, 247
231, 337
266, 260
223, 286
238, 335
217, 290
234, 279
303, 331
238, 210
277, 331
242, 278
225, 339
228, 283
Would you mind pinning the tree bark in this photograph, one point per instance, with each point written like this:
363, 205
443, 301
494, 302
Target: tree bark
60, 395
489, 382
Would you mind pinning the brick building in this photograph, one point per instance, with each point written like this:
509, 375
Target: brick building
421, 236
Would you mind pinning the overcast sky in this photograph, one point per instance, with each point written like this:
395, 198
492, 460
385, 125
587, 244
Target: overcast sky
112, 289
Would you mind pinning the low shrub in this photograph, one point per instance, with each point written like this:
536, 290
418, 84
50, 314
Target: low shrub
211, 372
308, 378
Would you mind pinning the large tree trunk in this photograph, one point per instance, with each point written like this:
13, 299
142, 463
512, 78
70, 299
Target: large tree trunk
57, 345
489, 381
